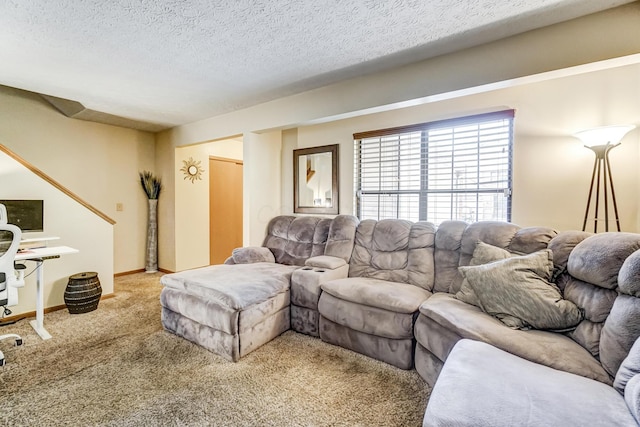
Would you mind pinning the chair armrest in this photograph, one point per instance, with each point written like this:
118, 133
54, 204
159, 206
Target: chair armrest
251, 254
325, 261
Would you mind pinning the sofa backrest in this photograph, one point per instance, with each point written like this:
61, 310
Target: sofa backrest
294, 239
627, 380
341, 238
600, 273
589, 271
456, 240
594, 300
605, 269
394, 250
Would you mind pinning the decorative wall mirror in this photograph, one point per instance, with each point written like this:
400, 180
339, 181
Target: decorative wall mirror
315, 178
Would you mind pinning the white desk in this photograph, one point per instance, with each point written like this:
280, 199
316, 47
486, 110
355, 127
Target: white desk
39, 255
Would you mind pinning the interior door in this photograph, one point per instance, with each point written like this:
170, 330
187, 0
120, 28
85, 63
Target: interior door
225, 208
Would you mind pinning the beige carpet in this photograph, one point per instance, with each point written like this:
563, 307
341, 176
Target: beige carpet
116, 367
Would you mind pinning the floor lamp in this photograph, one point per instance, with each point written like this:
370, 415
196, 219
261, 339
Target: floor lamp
602, 140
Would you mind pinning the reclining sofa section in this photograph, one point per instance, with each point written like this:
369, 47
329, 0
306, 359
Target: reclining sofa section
587, 269
234, 308
482, 385
374, 309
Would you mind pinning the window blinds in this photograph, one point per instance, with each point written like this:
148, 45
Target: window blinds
452, 169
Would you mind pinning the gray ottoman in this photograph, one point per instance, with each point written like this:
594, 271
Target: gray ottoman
230, 310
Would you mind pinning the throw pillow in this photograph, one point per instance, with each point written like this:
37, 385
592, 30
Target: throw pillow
517, 291
482, 254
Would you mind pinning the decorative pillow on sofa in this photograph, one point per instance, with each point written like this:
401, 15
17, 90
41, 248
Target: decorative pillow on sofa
517, 291
482, 254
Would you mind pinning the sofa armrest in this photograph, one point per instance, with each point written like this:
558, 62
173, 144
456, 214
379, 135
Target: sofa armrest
306, 281
250, 255
326, 262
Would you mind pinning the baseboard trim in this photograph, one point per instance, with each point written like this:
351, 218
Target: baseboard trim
126, 273
140, 270
11, 319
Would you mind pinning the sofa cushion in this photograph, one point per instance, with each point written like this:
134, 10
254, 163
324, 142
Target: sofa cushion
342, 233
293, 239
587, 263
629, 368
548, 348
562, 245
531, 239
325, 261
251, 254
447, 254
482, 254
234, 286
587, 334
620, 331
396, 352
364, 318
632, 396
629, 275
394, 250
503, 235
481, 385
517, 291
391, 296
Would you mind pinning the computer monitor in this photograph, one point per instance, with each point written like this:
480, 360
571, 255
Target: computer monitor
26, 214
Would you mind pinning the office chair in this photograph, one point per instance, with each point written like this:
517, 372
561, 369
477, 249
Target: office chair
10, 278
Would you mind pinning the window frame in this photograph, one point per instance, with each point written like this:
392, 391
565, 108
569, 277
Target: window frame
424, 191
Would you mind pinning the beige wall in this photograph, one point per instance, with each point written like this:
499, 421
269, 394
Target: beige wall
192, 201
609, 34
263, 182
164, 165
464, 82
100, 164
97, 162
76, 226
551, 169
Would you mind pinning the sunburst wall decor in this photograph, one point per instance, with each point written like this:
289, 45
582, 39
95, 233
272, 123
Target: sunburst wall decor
192, 169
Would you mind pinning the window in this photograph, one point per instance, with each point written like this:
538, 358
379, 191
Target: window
457, 169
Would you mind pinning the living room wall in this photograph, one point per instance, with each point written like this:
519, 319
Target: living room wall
192, 201
189, 246
456, 75
613, 33
552, 169
99, 163
77, 227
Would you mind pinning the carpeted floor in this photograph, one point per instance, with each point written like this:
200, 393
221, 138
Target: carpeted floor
116, 367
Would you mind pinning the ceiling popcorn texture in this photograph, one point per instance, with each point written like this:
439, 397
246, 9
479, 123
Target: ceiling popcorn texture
171, 62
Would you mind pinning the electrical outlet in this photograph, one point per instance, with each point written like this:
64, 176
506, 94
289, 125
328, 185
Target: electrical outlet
119, 207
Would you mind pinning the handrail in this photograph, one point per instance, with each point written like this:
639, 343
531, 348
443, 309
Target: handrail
56, 184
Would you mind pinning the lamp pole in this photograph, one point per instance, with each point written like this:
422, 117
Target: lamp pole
593, 139
601, 173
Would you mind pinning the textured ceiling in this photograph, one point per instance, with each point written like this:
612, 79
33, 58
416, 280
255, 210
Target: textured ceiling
171, 62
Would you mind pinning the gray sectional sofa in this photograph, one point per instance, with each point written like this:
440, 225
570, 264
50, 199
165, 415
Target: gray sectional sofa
457, 302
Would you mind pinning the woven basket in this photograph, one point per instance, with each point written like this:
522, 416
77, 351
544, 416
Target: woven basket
83, 292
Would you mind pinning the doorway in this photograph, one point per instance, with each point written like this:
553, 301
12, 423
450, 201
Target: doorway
225, 207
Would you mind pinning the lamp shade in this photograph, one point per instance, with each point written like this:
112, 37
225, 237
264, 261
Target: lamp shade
603, 135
